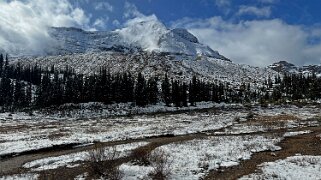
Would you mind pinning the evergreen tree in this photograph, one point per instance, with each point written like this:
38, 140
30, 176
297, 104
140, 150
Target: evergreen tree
184, 95
1, 64
140, 91
152, 90
166, 91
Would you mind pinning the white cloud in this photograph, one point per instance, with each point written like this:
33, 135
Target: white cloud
224, 6
252, 10
131, 11
24, 24
101, 23
222, 3
116, 23
143, 30
104, 6
257, 42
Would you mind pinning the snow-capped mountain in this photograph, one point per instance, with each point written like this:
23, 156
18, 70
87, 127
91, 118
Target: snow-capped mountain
181, 67
149, 35
283, 66
148, 47
286, 67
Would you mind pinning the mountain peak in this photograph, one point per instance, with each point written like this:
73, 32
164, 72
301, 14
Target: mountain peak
139, 34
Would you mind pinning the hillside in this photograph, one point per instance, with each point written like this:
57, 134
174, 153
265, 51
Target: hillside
178, 66
155, 38
286, 67
154, 52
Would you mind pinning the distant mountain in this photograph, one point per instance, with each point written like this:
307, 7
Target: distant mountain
150, 35
286, 67
181, 67
283, 66
146, 47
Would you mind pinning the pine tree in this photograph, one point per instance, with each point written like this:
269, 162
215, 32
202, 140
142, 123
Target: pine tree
1, 64
184, 95
28, 98
193, 91
166, 91
140, 91
152, 91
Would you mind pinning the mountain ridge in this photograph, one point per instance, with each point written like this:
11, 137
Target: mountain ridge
287, 67
150, 35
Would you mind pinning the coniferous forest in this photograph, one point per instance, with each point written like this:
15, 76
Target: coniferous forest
34, 87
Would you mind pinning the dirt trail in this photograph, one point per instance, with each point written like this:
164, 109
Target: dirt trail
13, 164
307, 144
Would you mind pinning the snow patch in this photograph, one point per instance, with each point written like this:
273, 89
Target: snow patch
69, 160
295, 168
193, 159
290, 134
20, 177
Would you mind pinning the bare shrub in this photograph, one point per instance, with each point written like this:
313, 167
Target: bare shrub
237, 118
250, 115
204, 162
103, 163
141, 156
161, 164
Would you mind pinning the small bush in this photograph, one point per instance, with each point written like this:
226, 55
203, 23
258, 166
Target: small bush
103, 163
250, 115
161, 164
141, 156
237, 118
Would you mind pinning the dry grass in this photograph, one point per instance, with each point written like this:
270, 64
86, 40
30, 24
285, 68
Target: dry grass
141, 156
103, 163
161, 163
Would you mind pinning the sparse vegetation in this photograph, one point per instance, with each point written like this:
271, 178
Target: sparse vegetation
161, 163
103, 163
250, 115
141, 156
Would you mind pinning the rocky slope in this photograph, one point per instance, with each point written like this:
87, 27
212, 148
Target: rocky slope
150, 35
286, 67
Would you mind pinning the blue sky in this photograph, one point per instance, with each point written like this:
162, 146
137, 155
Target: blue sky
255, 32
299, 12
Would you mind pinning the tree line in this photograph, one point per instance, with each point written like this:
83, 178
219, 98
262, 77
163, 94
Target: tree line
34, 87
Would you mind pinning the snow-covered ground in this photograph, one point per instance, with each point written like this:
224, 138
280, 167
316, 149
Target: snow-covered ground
20, 176
134, 172
301, 113
74, 159
295, 168
193, 159
289, 134
21, 132
36, 132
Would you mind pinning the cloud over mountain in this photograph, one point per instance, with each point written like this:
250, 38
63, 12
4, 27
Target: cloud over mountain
257, 42
24, 23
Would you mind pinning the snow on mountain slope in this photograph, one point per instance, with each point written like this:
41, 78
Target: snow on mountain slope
147, 35
182, 42
286, 67
178, 66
